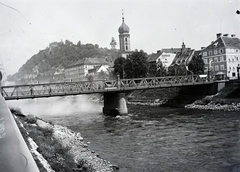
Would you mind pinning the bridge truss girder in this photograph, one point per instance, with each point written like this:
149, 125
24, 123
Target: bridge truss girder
86, 87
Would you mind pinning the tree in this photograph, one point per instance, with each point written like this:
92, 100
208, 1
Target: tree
160, 69
152, 69
136, 65
119, 66
196, 65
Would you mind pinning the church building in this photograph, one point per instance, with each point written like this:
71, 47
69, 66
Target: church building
124, 39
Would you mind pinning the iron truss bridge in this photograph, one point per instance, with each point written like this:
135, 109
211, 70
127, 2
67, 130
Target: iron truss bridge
85, 87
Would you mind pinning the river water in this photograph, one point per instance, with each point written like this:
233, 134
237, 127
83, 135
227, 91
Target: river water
149, 139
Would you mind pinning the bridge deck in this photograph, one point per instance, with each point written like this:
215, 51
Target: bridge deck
84, 87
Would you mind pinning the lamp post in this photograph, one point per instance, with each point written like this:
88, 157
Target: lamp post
189, 71
209, 65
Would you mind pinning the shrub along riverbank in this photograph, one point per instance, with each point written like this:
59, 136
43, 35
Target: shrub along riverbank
57, 148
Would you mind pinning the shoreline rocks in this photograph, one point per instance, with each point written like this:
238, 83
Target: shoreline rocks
156, 102
215, 106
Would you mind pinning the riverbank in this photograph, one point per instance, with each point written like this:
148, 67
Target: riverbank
57, 148
211, 103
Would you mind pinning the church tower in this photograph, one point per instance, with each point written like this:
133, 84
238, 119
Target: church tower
124, 39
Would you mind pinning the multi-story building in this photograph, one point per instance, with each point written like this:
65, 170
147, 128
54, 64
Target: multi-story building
79, 70
222, 57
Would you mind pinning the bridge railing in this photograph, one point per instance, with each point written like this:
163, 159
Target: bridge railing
86, 87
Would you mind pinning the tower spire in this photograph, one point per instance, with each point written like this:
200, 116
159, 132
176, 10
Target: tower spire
122, 15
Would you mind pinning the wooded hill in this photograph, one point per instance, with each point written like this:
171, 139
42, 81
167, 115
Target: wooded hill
59, 55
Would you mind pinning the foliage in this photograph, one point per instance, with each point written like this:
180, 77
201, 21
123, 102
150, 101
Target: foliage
152, 69
160, 69
102, 75
90, 78
196, 65
177, 70
52, 150
136, 65
119, 66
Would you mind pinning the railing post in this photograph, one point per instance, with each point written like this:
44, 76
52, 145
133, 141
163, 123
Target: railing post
118, 82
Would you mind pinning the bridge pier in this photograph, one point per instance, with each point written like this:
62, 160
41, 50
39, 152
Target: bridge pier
115, 104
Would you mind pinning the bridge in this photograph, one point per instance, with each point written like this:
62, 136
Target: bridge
113, 90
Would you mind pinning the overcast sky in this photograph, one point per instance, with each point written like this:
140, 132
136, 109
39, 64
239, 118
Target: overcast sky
30, 25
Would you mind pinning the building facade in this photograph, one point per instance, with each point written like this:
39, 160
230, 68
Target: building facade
80, 69
222, 57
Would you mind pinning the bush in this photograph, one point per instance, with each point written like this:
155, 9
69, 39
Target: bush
17, 112
31, 119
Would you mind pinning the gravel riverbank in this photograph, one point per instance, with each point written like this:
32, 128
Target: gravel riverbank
89, 160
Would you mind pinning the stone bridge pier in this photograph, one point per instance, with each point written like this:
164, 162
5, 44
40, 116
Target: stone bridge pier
115, 104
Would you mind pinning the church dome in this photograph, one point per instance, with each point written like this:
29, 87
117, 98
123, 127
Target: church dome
123, 28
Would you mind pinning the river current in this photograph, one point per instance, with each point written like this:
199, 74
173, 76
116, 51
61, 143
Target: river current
149, 139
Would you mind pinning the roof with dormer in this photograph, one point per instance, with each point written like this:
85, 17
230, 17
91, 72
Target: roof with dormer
184, 57
224, 41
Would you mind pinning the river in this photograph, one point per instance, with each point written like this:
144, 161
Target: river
149, 139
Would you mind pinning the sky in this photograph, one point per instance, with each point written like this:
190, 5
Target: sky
27, 26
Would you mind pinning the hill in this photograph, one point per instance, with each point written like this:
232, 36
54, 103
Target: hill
57, 56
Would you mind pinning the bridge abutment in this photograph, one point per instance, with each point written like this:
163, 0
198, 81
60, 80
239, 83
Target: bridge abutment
115, 104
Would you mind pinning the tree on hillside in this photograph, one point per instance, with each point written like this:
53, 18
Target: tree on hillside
119, 66
136, 65
196, 65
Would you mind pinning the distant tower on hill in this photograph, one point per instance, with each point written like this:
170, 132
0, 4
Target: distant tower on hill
113, 44
124, 39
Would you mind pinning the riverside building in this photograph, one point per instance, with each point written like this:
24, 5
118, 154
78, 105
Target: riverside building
222, 57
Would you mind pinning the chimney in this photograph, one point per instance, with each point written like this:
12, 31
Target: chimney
202, 48
233, 36
225, 35
218, 35
158, 51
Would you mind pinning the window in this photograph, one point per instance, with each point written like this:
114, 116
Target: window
205, 61
210, 53
229, 68
221, 59
236, 58
221, 51
222, 67
215, 51
126, 39
204, 54
216, 68
233, 68
233, 74
126, 47
216, 59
